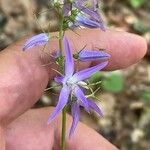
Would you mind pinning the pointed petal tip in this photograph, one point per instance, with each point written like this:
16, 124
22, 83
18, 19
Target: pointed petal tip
103, 29
75, 112
70, 135
40, 39
96, 108
50, 119
69, 61
108, 55
23, 49
63, 99
103, 64
49, 122
102, 26
86, 73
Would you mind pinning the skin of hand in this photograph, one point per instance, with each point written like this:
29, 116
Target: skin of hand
23, 80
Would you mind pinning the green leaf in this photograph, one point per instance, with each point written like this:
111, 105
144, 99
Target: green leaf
148, 113
136, 3
146, 96
94, 78
113, 83
140, 27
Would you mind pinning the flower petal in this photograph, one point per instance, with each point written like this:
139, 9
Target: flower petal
87, 11
56, 54
95, 107
69, 61
81, 97
63, 99
85, 55
58, 79
86, 73
93, 14
89, 23
67, 8
40, 39
75, 112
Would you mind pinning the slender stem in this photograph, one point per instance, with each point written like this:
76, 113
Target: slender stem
61, 34
64, 115
64, 111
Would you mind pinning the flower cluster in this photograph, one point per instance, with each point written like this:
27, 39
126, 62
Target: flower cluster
80, 15
72, 83
73, 13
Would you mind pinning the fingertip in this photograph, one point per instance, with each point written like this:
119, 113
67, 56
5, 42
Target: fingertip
125, 49
140, 46
137, 48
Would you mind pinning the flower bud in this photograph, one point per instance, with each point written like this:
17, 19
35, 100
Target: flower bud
40, 39
85, 55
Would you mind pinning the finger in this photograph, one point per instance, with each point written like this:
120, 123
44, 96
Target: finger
23, 78
30, 131
28, 124
2, 139
125, 48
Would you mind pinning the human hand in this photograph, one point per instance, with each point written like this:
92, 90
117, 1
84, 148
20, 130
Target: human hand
23, 80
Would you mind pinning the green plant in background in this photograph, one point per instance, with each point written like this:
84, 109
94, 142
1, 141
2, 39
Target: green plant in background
113, 82
96, 77
136, 3
146, 96
140, 27
2, 20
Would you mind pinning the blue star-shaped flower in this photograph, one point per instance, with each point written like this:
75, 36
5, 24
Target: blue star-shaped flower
72, 83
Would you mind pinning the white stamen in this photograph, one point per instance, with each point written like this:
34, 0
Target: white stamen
83, 84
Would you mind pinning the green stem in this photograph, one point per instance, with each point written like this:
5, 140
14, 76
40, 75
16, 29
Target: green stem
61, 33
64, 111
64, 115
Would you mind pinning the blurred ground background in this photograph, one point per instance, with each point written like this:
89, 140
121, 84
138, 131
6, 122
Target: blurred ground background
125, 95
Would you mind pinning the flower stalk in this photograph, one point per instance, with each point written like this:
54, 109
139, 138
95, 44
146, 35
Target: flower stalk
64, 111
73, 14
61, 33
63, 130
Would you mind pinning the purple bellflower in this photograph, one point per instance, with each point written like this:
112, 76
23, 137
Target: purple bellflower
72, 87
86, 17
96, 20
80, 20
67, 7
75, 112
92, 13
85, 55
40, 39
